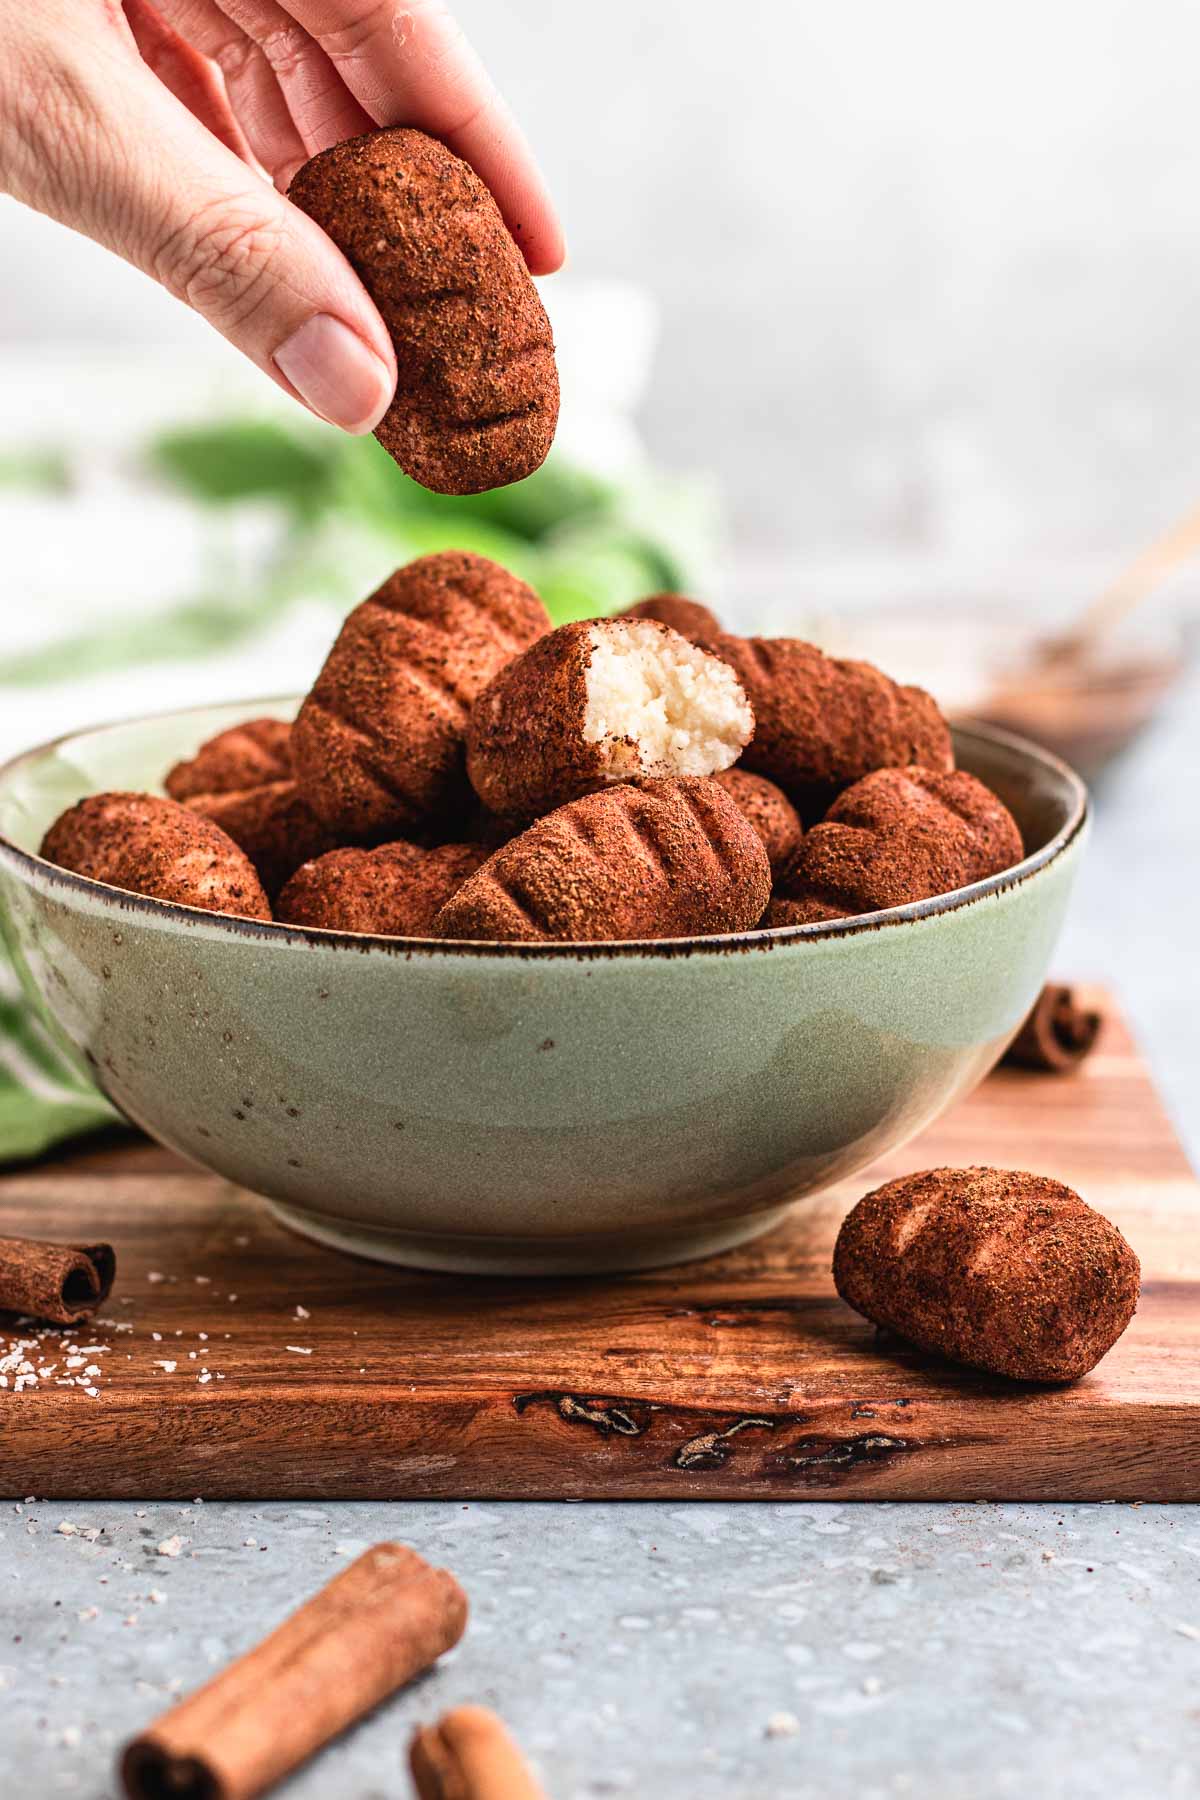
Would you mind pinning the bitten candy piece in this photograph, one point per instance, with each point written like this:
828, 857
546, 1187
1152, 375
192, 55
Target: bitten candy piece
395, 891
156, 847
821, 723
244, 756
606, 701
378, 744
688, 617
770, 812
476, 403
897, 836
1011, 1272
657, 859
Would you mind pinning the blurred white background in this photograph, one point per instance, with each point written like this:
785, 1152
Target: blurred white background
927, 280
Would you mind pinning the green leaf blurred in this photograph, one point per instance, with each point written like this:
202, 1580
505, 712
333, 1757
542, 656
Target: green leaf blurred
347, 516
244, 459
46, 471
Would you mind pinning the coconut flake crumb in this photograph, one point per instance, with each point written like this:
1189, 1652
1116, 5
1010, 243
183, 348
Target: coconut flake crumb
661, 706
171, 1546
297, 1349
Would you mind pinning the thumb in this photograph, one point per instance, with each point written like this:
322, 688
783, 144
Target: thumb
145, 178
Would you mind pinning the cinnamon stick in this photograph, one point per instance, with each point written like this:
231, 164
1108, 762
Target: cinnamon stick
1058, 1033
61, 1283
468, 1755
375, 1626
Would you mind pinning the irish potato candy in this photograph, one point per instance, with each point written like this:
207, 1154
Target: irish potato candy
462, 771
476, 403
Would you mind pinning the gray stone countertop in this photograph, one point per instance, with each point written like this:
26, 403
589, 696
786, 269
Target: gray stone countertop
810, 1649
807, 1650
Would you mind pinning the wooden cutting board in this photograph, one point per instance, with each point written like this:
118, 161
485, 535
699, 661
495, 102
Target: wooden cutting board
236, 1360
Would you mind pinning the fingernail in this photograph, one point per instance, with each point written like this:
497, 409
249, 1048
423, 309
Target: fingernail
335, 373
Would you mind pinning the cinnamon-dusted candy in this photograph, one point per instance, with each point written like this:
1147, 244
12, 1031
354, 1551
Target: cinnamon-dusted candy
273, 824
396, 890
822, 723
593, 703
476, 403
690, 618
378, 744
659, 859
770, 812
243, 756
897, 836
241, 780
156, 847
1011, 1272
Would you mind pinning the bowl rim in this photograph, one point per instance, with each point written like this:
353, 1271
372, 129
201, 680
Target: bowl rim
31, 866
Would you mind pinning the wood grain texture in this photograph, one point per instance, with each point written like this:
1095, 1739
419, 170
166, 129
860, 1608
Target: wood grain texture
741, 1377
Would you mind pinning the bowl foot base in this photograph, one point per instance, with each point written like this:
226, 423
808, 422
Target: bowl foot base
464, 1255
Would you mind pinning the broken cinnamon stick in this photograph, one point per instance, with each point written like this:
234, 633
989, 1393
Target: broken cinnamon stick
375, 1626
61, 1283
1058, 1033
468, 1755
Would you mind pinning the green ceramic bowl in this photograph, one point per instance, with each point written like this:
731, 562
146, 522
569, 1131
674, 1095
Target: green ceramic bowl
527, 1108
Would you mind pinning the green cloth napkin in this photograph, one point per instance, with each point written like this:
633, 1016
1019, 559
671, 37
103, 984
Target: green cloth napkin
43, 1100
587, 543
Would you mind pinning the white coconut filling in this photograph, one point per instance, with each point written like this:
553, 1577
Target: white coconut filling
659, 705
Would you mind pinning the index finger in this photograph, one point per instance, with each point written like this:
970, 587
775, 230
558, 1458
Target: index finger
408, 63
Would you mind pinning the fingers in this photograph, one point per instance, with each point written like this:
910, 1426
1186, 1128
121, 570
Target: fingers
107, 149
408, 63
307, 75
254, 93
191, 77
324, 109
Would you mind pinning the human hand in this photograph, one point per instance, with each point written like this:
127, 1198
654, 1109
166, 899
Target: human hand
169, 133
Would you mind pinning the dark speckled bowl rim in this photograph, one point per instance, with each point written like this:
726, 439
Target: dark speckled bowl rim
36, 871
